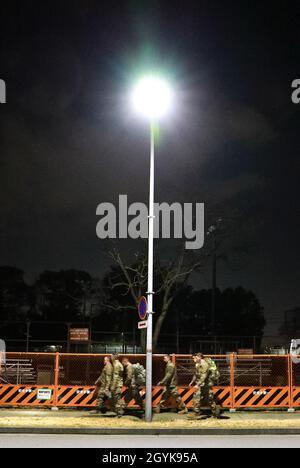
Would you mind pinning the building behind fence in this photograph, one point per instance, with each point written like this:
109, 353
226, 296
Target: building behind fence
55, 336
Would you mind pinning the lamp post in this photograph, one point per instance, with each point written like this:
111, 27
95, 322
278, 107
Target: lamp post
152, 99
150, 292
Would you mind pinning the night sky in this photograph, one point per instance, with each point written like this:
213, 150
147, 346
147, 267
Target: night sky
69, 141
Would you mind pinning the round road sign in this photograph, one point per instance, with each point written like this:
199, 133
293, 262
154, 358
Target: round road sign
143, 308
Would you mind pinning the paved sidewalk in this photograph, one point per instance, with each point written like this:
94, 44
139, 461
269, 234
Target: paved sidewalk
130, 442
72, 422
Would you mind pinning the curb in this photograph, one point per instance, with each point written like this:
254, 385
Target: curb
152, 432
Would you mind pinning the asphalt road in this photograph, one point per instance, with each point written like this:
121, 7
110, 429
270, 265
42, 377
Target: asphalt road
124, 441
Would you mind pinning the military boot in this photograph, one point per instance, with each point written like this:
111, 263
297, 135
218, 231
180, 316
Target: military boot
183, 411
96, 411
216, 412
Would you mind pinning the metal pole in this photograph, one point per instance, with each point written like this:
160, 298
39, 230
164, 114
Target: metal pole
214, 287
177, 332
291, 383
232, 382
56, 378
148, 413
27, 335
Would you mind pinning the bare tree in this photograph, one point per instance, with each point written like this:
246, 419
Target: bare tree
169, 278
227, 244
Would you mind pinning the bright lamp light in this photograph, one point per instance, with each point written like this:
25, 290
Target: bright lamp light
152, 97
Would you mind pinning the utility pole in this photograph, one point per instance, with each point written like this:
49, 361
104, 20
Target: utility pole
213, 231
214, 286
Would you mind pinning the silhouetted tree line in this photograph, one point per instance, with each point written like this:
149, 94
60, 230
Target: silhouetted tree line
74, 296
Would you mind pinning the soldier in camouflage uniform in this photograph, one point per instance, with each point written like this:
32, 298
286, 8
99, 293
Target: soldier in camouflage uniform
198, 381
103, 385
170, 383
212, 380
117, 405
204, 381
132, 383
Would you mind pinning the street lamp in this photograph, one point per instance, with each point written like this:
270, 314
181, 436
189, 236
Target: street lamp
152, 99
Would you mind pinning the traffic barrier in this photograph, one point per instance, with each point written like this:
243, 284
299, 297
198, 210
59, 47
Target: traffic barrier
67, 380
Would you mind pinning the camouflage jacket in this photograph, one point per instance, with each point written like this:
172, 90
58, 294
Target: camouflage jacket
170, 378
117, 377
105, 378
129, 374
214, 374
201, 373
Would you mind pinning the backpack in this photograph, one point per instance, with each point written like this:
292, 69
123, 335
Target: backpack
139, 373
214, 373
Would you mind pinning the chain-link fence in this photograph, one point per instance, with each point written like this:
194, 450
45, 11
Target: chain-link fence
28, 369
41, 336
28, 379
295, 380
261, 381
45, 379
261, 371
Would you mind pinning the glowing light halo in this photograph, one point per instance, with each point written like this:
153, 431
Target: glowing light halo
152, 97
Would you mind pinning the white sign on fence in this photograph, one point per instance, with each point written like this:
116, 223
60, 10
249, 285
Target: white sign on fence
44, 394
